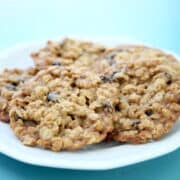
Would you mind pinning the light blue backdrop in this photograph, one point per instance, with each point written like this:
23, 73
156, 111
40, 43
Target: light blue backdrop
156, 22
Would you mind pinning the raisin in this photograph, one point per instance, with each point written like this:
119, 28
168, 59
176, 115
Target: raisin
117, 107
135, 122
112, 62
168, 78
111, 56
56, 63
149, 112
72, 116
87, 101
11, 87
169, 82
105, 79
113, 73
107, 106
73, 84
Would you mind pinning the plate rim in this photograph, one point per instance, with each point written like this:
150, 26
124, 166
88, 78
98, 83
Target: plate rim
97, 166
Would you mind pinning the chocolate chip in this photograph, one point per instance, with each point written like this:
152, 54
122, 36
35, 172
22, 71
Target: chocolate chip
105, 79
149, 112
56, 63
52, 96
11, 87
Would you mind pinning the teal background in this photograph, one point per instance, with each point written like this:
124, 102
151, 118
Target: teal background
156, 22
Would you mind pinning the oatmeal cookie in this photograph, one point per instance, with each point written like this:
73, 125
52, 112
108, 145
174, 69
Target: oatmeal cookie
67, 52
63, 109
10, 82
149, 98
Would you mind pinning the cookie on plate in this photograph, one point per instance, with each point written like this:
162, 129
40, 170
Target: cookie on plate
149, 97
10, 81
67, 52
63, 109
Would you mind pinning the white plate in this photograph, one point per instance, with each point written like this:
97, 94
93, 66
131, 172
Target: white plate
96, 157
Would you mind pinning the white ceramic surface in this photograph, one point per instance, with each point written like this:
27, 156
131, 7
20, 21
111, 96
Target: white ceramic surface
96, 157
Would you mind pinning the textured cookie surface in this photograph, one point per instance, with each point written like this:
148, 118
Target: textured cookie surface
136, 52
69, 51
10, 82
63, 108
149, 96
128, 53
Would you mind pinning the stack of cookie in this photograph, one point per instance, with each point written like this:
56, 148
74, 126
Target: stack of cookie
81, 93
